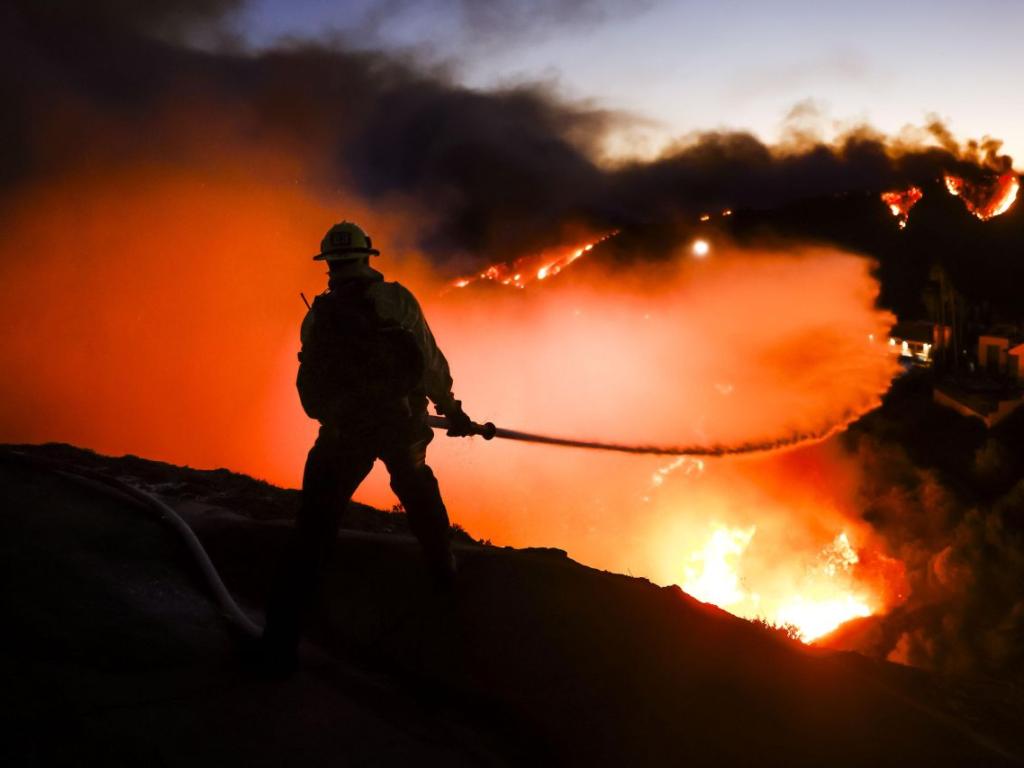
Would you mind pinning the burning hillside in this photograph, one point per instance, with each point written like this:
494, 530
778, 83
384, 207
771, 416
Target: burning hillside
524, 270
900, 201
983, 200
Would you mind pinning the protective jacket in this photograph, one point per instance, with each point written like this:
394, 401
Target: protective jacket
395, 303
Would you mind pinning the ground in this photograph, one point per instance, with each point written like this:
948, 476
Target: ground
115, 655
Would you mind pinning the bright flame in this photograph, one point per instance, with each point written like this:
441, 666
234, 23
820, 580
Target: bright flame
716, 580
985, 201
815, 618
824, 597
900, 201
700, 248
524, 271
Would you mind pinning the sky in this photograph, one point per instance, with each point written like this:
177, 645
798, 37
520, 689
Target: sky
680, 67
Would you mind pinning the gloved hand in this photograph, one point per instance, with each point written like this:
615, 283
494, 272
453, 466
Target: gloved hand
459, 424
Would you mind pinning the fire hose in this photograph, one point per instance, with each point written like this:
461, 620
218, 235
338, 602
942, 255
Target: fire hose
489, 431
118, 488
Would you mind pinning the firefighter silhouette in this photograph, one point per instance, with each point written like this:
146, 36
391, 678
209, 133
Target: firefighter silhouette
368, 366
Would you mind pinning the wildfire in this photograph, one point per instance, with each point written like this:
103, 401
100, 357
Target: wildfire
816, 618
523, 271
826, 596
900, 201
705, 217
985, 201
715, 580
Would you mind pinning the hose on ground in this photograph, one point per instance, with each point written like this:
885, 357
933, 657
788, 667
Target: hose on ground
97, 480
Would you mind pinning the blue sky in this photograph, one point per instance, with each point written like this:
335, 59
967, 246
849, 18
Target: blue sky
686, 66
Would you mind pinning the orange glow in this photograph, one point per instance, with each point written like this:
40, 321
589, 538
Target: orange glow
170, 329
985, 201
900, 201
719, 351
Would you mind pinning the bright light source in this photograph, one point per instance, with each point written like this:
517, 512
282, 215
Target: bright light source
700, 248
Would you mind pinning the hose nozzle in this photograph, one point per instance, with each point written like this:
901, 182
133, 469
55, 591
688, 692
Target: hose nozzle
487, 431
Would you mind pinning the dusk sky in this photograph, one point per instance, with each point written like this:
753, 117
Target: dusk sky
687, 66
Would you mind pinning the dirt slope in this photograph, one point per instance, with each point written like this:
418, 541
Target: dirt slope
113, 654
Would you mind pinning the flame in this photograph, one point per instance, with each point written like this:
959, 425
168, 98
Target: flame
816, 618
716, 580
985, 201
900, 201
707, 216
825, 597
524, 271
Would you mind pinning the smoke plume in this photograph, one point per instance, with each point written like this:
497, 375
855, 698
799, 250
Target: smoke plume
945, 494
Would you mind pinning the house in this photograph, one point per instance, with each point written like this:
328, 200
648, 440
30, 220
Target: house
1015, 362
995, 388
917, 341
999, 356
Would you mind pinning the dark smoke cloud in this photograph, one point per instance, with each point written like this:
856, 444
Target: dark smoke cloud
161, 18
947, 496
737, 170
495, 173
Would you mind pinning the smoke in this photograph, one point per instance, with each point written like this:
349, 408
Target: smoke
159, 199
169, 19
490, 174
946, 496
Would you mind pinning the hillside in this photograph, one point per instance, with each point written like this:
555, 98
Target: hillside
115, 655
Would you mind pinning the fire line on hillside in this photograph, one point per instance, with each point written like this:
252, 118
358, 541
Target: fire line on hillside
985, 201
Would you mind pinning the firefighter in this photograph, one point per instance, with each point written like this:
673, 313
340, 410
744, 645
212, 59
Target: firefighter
368, 365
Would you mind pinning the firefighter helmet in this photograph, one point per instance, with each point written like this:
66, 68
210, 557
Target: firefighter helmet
345, 241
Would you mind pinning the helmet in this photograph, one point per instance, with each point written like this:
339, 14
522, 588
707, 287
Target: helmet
345, 241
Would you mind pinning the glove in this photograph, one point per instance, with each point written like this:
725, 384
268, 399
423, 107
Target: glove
459, 424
